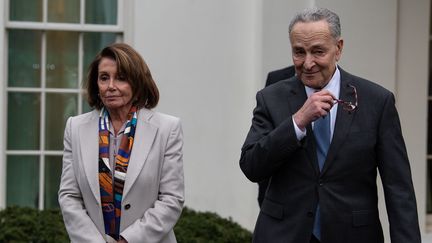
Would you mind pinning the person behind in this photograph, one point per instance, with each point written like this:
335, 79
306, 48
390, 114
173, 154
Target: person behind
122, 178
273, 77
280, 74
321, 137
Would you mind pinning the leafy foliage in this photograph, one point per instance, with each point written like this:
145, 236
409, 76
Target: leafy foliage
31, 225
18, 224
206, 227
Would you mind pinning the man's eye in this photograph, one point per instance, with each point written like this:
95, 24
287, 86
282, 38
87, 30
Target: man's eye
298, 52
319, 52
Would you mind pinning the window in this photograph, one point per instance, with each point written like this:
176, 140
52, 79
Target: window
50, 45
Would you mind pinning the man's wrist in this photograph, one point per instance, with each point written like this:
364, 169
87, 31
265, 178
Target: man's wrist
300, 133
298, 123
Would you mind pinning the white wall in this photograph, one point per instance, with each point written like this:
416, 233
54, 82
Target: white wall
369, 30
204, 56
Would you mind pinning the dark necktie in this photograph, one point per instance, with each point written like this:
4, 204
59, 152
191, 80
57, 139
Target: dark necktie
322, 138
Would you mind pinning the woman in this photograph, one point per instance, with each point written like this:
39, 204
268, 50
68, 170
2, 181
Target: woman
141, 199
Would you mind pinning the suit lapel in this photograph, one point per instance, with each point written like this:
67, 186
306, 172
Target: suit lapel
89, 148
297, 99
144, 136
343, 120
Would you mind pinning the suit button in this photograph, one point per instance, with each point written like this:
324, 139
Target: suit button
321, 183
310, 214
127, 206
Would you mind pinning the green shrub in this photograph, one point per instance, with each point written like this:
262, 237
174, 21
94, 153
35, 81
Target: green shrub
31, 225
205, 227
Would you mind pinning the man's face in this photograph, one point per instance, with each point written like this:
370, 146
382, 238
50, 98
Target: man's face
314, 52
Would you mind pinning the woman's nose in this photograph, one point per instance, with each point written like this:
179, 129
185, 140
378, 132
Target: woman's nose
111, 83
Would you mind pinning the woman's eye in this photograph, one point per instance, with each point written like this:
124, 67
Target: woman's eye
103, 78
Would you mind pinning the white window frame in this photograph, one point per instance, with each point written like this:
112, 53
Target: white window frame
80, 28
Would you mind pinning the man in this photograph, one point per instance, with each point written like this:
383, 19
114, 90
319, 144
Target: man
320, 137
273, 77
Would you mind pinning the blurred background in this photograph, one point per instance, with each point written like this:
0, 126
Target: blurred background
209, 58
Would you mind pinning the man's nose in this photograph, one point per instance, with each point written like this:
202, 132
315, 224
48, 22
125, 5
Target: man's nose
309, 62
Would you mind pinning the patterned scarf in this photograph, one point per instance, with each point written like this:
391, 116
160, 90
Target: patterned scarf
111, 197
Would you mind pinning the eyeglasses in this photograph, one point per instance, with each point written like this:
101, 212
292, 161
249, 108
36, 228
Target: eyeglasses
348, 105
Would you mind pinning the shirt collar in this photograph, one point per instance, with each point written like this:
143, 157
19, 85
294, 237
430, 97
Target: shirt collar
122, 129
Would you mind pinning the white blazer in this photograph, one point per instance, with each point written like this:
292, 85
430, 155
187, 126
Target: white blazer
153, 194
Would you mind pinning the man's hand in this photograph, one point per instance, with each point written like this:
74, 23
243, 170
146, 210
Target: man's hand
316, 106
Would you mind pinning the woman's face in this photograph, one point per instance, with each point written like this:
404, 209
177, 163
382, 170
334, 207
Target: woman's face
114, 90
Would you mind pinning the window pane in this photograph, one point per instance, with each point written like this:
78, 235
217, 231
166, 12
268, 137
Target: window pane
101, 12
22, 178
23, 121
58, 108
62, 59
64, 11
53, 169
24, 58
93, 43
31, 12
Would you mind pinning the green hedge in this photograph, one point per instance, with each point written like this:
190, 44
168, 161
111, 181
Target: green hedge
199, 227
31, 225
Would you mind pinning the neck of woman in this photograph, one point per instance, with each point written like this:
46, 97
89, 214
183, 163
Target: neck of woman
118, 118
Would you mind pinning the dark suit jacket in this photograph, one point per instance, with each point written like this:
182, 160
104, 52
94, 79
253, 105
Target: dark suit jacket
364, 141
273, 77
281, 74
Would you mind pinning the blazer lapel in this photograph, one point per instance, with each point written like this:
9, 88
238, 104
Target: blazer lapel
297, 99
89, 148
343, 120
144, 136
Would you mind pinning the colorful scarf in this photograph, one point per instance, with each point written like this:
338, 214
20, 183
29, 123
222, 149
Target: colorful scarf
111, 197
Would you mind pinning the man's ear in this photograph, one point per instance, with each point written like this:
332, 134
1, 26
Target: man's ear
339, 46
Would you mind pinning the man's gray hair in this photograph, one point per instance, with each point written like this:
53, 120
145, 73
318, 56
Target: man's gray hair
317, 14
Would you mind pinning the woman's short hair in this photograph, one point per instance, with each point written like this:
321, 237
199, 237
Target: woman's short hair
130, 65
